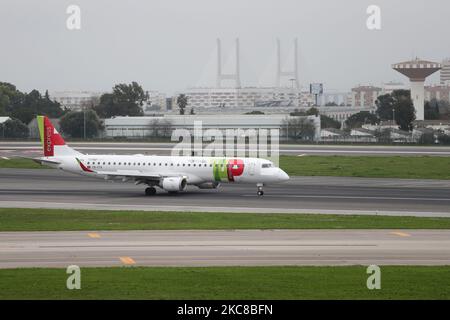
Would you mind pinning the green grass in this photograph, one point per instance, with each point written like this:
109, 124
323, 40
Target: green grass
423, 167
66, 220
349, 282
20, 164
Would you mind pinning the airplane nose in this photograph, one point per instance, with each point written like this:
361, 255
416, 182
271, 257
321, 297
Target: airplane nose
283, 176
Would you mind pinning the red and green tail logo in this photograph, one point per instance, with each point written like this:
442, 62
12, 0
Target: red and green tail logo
49, 136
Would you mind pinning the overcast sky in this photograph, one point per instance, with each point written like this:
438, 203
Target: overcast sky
168, 45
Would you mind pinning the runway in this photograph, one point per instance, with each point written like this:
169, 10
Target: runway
34, 149
224, 248
47, 188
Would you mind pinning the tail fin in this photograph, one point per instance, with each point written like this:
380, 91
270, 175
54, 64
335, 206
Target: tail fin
52, 142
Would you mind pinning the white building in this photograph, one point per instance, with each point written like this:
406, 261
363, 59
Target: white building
388, 124
156, 102
389, 87
331, 133
204, 98
75, 100
341, 114
445, 72
140, 127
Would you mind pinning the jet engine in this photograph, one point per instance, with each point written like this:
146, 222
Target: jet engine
173, 184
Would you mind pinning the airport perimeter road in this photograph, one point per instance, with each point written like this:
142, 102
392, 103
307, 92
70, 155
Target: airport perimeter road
34, 149
47, 188
224, 248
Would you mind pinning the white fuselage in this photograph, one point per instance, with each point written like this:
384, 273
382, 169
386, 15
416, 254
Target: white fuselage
196, 170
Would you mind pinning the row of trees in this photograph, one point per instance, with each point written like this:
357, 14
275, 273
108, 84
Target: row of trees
25, 106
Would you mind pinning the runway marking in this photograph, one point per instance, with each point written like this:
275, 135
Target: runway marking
5, 158
301, 155
348, 197
401, 234
94, 235
127, 260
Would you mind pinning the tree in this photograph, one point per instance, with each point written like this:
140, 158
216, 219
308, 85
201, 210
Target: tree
431, 111
297, 113
34, 104
254, 112
192, 112
383, 135
14, 128
399, 103
358, 119
427, 138
312, 112
125, 100
161, 128
72, 124
24, 106
328, 122
182, 102
10, 97
444, 139
299, 128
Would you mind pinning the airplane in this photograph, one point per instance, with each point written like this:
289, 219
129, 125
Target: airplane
170, 173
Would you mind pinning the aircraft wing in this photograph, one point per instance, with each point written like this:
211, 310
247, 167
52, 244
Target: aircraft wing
41, 161
134, 175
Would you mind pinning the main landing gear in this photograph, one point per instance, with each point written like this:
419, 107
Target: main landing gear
260, 189
150, 191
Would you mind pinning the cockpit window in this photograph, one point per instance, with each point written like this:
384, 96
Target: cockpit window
266, 165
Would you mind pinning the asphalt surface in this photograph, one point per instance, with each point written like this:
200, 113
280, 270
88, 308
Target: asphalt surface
224, 248
34, 149
48, 188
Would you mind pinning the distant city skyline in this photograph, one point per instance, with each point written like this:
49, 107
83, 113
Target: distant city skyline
168, 45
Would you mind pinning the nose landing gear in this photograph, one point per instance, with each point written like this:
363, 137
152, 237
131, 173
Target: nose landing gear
260, 189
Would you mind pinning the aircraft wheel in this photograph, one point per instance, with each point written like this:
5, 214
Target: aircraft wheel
260, 193
150, 191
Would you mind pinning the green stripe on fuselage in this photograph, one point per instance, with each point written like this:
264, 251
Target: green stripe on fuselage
220, 169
